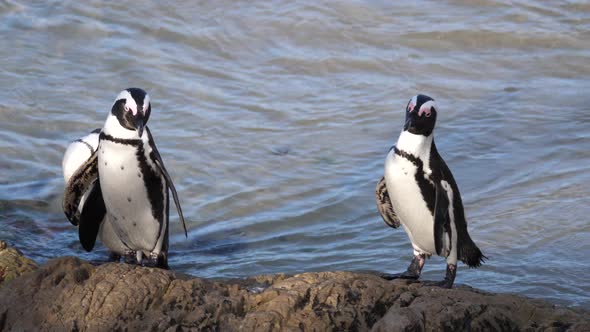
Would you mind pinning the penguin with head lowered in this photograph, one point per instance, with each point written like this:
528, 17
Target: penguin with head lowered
419, 192
126, 180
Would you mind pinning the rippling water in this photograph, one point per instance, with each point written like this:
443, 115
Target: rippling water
274, 121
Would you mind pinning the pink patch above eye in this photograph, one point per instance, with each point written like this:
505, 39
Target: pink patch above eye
424, 110
411, 107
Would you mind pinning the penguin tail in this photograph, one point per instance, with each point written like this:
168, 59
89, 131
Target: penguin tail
470, 254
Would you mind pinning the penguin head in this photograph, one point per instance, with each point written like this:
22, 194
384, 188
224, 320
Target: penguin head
420, 115
132, 109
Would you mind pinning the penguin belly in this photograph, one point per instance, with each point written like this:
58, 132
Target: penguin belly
109, 237
126, 196
408, 203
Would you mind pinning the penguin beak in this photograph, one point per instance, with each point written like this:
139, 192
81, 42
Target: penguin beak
138, 123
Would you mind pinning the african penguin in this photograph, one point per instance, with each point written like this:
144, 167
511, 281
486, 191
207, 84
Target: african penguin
77, 153
419, 192
133, 185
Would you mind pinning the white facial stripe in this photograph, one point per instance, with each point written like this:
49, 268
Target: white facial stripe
412, 103
425, 108
146, 102
129, 101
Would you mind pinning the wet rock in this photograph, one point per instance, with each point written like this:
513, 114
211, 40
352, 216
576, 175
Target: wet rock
71, 294
13, 263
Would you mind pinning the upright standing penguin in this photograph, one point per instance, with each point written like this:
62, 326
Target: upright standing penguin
132, 187
419, 192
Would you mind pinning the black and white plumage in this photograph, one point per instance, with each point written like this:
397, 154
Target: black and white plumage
126, 180
77, 154
419, 192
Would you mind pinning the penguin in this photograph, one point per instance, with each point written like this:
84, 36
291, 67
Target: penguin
77, 153
131, 184
418, 192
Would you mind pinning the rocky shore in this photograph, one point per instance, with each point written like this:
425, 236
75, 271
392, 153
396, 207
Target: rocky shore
68, 294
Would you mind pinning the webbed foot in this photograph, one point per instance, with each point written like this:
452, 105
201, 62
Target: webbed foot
129, 256
413, 271
403, 275
449, 279
114, 257
157, 260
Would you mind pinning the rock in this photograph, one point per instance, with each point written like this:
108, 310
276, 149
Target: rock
13, 263
71, 294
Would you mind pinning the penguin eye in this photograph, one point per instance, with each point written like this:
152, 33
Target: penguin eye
425, 110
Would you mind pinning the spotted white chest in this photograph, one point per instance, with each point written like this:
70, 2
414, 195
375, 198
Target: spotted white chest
406, 198
126, 196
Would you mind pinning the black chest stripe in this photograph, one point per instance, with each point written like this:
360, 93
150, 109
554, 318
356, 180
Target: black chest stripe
406, 155
426, 188
124, 141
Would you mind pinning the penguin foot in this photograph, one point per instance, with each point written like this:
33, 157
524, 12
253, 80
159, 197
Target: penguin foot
441, 284
449, 279
445, 284
152, 261
129, 256
157, 260
114, 257
403, 275
413, 271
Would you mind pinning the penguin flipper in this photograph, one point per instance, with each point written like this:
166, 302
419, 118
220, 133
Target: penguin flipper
77, 185
384, 204
467, 250
91, 217
157, 159
441, 217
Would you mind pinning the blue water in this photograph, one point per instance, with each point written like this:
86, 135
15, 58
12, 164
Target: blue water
274, 121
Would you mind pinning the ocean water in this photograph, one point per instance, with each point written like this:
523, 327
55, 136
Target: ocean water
274, 120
